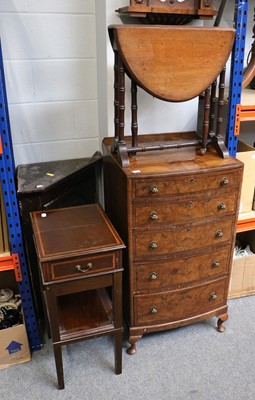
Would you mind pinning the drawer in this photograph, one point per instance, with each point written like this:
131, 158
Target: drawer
177, 184
167, 307
182, 238
183, 210
155, 276
78, 267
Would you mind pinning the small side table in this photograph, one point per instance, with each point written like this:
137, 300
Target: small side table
80, 255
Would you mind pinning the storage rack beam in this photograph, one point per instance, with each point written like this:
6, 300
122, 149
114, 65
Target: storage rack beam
11, 262
236, 76
7, 176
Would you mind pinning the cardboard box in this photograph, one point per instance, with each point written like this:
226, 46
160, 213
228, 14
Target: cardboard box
14, 347
246, 154
242, 278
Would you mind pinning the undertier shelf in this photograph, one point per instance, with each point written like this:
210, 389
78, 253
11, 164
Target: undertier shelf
84, 313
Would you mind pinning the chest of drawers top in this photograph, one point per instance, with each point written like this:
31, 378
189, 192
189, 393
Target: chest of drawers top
176, 165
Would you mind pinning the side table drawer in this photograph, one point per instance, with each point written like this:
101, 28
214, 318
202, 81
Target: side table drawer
180, 304
78, 266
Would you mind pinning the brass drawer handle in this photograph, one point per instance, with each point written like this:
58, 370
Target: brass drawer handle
215, 264
219, 234
153, 244
224, 182
213, 296
222, 206
153, 276
153, 215
80, 269
154, 189
153, 310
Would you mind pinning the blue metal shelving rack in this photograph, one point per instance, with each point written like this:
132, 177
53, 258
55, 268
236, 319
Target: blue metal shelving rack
236, 75
7, 167
7, 176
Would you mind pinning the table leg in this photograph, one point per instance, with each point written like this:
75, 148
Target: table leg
59, 365
117, 315
118, 352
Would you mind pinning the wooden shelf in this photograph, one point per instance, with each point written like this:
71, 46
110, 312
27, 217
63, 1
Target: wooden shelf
246, 221
77, 317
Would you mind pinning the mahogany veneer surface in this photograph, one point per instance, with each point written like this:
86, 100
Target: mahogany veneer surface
163, 60
177, 219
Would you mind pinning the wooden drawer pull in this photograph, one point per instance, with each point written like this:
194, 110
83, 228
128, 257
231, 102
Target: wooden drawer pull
153, 244
153, 215
80, 269
219, 233
222, 206
153, 310
224, 182
213, 296
153, 276
215, 264
154, 189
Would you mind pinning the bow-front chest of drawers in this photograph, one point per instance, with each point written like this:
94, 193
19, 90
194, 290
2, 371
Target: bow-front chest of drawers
178, 222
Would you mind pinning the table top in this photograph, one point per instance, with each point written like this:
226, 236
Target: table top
73, 231
40, 177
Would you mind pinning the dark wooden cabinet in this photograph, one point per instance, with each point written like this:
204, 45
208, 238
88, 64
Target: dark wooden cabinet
79, 255
178, 221
54, 184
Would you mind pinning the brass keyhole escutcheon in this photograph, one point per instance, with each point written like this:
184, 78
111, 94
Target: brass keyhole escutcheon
190, 203
153, 310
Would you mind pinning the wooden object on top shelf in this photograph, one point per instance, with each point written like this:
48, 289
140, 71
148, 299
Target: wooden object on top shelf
174, 64
169, 11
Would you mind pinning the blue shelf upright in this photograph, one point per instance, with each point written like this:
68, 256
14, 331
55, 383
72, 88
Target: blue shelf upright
7, 176
236, 75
